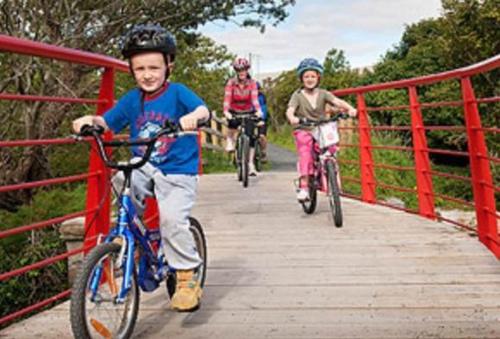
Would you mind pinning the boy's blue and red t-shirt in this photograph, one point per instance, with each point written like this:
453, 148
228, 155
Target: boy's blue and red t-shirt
171, 156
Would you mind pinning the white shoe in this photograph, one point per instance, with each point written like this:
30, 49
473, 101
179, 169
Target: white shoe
251, 169
229, 145
302, 194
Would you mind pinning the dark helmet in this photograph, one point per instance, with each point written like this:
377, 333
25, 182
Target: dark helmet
148, 38
309, 64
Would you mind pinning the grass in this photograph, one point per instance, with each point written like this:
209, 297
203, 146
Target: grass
216, 162
405, 178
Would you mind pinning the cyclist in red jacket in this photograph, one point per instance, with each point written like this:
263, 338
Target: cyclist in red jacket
241, 95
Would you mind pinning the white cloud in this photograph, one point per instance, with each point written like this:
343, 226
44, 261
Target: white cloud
364, 29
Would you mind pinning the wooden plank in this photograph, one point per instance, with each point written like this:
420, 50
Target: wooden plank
274, 272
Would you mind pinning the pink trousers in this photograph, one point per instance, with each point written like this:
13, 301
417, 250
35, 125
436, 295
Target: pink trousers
304, 142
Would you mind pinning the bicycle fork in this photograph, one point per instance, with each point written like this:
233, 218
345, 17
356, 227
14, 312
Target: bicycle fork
124, 261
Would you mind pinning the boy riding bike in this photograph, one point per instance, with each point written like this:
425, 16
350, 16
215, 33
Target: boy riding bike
241, 95
171, 173
310, 102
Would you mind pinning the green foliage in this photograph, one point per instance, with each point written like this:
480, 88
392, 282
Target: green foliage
31, 247
278, 94
202, 67
406, 178
282, 136
217, 162
464, 35
31, 287
98, 27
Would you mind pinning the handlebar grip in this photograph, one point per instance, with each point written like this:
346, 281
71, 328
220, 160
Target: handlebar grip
89, 130
203, 123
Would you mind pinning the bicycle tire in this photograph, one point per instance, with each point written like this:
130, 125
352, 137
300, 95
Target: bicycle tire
245, 154
201, 245
80, 324
334, 194
238, 156
258, 155
309, 206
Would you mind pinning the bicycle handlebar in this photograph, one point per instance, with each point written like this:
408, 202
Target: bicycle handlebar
170, 129
304, 122
244, 115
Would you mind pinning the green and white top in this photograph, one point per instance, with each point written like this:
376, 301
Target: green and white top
303, 107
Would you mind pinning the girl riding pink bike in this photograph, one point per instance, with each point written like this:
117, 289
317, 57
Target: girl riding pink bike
310, 102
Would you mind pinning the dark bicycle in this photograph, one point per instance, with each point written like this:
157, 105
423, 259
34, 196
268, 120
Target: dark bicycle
247, 130
325, 177
105, 295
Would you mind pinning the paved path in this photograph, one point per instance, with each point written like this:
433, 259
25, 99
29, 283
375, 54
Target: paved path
276, 273
281, 159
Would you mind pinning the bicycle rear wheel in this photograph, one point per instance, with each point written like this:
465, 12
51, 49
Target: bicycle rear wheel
334, 194
99, 316
201, 246
309, 206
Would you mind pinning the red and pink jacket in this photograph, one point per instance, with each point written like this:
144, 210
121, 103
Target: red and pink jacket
241, 97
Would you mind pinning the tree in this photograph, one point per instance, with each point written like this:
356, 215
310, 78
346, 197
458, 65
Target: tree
464, 35
97, 26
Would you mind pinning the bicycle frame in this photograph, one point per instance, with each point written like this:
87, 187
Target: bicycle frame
130, 228
320, 158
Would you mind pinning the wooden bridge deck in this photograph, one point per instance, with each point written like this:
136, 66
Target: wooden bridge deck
276, 273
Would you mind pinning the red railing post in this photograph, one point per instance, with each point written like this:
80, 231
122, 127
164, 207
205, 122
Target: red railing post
482, 183
422, 164
98, 194
365, 153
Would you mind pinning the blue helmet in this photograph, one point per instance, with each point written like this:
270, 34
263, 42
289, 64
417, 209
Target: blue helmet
309, 64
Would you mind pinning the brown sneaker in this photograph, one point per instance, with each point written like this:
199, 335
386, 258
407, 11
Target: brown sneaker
187, 292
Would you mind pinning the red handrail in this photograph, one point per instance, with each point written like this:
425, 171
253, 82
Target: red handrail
481, 67
480, 160
481, 180
40, 49
97, 206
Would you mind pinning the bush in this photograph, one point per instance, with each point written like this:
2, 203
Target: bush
30, 247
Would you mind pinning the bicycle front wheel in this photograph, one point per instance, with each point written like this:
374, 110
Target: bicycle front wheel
238, 156
334, 194
309, 206
96, 314
245, 155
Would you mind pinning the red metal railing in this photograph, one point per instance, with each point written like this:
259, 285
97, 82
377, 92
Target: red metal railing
483, 187
97, 204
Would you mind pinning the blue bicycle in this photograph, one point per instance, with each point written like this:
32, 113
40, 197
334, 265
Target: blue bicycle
105, 295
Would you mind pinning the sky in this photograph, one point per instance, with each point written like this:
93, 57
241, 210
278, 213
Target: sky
363, 29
